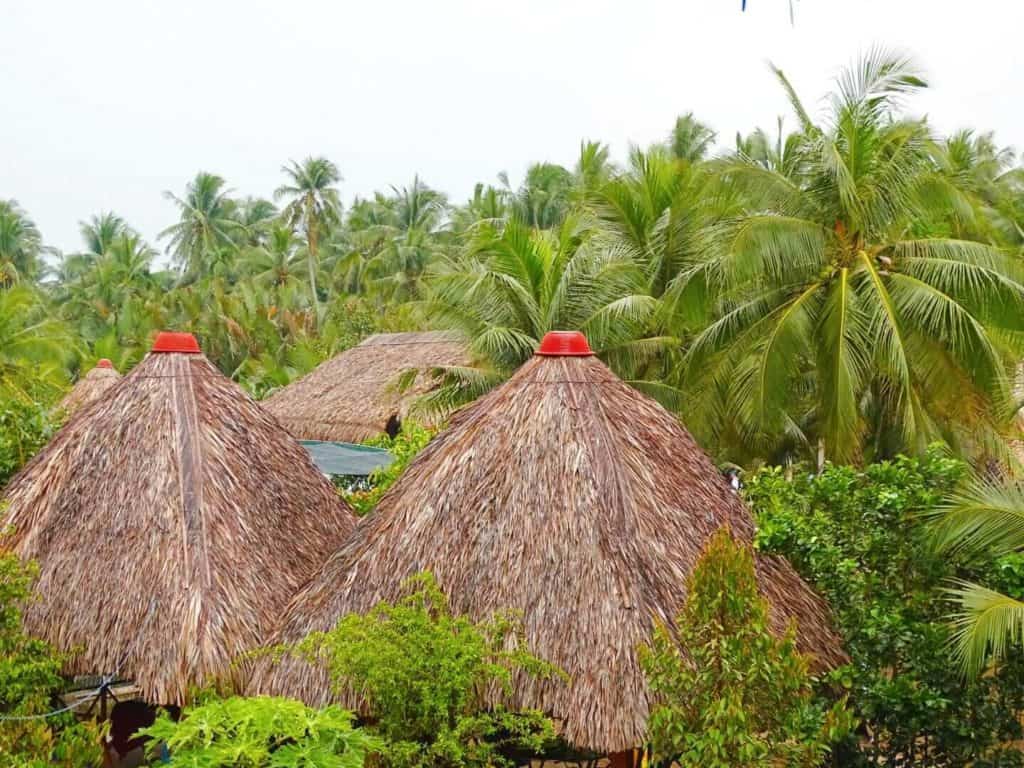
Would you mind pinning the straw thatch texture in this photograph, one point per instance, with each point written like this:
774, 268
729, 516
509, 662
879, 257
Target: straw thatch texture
566, 495
171, 523
89, 389
351, 397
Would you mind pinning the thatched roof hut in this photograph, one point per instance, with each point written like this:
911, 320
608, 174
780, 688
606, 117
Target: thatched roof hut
171, 522
570, 497
90, 387
353, 396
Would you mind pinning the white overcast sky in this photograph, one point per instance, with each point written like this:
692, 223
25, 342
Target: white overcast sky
106, 103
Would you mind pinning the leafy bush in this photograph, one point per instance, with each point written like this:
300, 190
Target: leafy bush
727, 692
425, 674
24, 429
404, 446
857, 536
260, 732
29, 678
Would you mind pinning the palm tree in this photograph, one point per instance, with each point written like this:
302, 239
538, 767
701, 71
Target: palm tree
409, 240
985, 184
488, 204
20, 245
313, 206
205, 226
690, 139
985, 520
32, 347
275, 264
100, 231
256, 218
544, 197
837, 316
515, 283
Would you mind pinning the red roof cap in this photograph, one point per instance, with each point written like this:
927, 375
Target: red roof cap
564, 344
171, 341
104, 363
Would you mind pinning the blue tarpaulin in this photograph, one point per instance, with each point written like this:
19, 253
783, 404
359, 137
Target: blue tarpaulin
346, 458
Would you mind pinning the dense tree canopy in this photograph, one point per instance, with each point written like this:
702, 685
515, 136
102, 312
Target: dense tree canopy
847, 289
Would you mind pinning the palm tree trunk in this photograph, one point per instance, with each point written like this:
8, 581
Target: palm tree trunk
311, 256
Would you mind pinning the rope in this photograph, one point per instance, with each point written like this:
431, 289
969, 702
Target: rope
91, 698
62, 710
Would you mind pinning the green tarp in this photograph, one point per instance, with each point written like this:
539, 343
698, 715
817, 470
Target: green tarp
346, 458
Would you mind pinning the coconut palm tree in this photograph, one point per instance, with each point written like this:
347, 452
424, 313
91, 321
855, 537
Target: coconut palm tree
515, 283
205, 227
985, 520
838, 314
20, 245
275, 264
32, 347
410, 240
690, 139
100, 231
313, 206
256, 217
544, 197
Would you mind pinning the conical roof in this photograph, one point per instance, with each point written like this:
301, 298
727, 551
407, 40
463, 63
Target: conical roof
90, 387
171, 522
353, 396
570, 497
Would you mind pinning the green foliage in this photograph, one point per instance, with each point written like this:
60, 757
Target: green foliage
849, 287
29, 678
426, 674
404, 446
728, 693
24, 429
261, 732
985, 520
858, 537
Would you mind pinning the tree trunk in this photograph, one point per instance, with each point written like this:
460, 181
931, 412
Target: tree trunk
311, 247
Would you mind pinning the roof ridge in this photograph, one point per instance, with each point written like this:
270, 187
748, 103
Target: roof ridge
188, 443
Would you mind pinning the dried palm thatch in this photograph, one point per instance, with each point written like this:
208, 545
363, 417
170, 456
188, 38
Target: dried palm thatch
170, 521
353, 396
570, 497
90, 387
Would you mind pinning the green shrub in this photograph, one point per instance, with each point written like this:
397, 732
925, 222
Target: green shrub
727, 692
858, 537
404, 446
424, 674
24, 429
260, 732
29, 678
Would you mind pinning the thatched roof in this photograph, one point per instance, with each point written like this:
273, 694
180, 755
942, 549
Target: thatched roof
570, 497
352, 396
90, 387
171, 522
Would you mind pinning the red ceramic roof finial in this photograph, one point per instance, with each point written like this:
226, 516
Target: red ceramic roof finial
171, 341
564, 344
104, 363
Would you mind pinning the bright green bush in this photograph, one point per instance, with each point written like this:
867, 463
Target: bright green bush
424, 672
261, 732
404, 446
857, 535
727, 692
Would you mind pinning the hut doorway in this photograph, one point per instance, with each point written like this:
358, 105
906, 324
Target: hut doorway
124, 748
